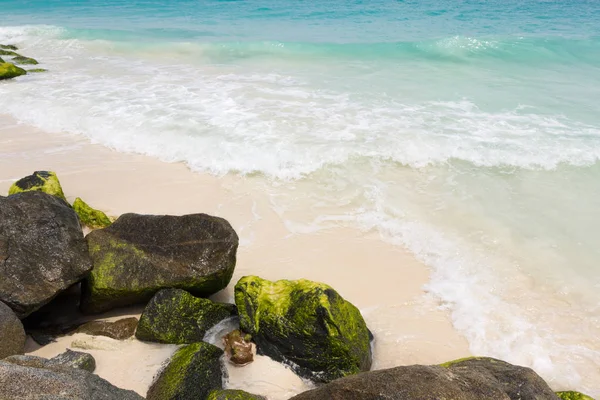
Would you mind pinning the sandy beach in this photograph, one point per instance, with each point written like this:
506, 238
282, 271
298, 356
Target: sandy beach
384, 281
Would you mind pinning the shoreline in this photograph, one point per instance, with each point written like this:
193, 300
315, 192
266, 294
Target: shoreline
383, 280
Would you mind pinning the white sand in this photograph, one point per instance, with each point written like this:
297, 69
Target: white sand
383, 280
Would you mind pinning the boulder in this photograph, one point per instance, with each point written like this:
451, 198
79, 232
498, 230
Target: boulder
89, 216
21, 60
42, 250
572, 395
193, 372
306, 324
238, 347
471, 379
138, 255
56, 382
42, 181
119, 330
8, 71
12, 334
175, 316
8, 47
230, 394
68, 359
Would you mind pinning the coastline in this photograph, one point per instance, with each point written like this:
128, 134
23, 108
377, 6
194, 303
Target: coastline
384, 281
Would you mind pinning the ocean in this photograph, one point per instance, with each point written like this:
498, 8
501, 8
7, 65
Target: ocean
466, 131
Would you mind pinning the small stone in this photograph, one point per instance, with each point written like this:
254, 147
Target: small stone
42, 181
74, 359
35, 70
119, 330
239, 348
89, 216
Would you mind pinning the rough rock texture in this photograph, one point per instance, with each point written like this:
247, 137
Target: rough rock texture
43, 181
42, 250
229, 394
75, 359
571, 395
89, 216
18, 382
140, 254
307, 323
175, 316
12, 334
120, 330
470, 379
24, 60
238, 347
8, 47
8, 71
193, 372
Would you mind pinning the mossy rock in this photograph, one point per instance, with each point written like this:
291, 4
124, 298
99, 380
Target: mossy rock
89, 216
1, 60
175, 316
572, 395
22, 60
8, 47
138, 255
37, 70
42, 181
193, 372
9, 71
8, 53
306, 323
230, 394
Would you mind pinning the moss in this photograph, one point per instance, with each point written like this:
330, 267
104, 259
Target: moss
89, 216
8, 53
1, 60
448, 364
193, 372
36, 70
307, 323
572, 395
175, 316
24, 60
8, 47
8, 71
43, 181
230, 394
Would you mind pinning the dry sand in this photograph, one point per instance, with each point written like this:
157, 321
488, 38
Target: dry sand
383, 280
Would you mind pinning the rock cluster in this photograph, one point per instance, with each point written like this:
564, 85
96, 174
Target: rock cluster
171, 264
9, 70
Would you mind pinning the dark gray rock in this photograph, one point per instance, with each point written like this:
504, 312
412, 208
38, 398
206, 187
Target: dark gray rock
468, 379
175, 316
42, 250
12, 334
138, 255
120, 330
74, 359
193, 373
19, 382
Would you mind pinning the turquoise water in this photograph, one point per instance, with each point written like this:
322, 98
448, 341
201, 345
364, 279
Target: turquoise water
466, 131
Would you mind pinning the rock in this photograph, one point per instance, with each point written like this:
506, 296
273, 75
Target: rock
8, 71
75, 359
90, 217
8, 47
238, 347
229, 394
42, 250
119, 330
12, 333
8, 53
175, 316
56, 382
43, 181
571, 395
27, 360
24, 60
1, 60
96, 343
138, 255
35, 70
307, 324
193, 372
472, 379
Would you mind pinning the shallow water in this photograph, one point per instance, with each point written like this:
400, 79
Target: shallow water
467, 131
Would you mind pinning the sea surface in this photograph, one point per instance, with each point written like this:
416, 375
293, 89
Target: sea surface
466, 131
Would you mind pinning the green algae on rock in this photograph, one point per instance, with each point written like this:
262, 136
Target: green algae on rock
175, 316
138, 255
306, 324
8, 53
42, 181
230, 394
22, 60
193, 372
572, 395
89, 216
37, 70
8, 71
1, 60
8, 47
